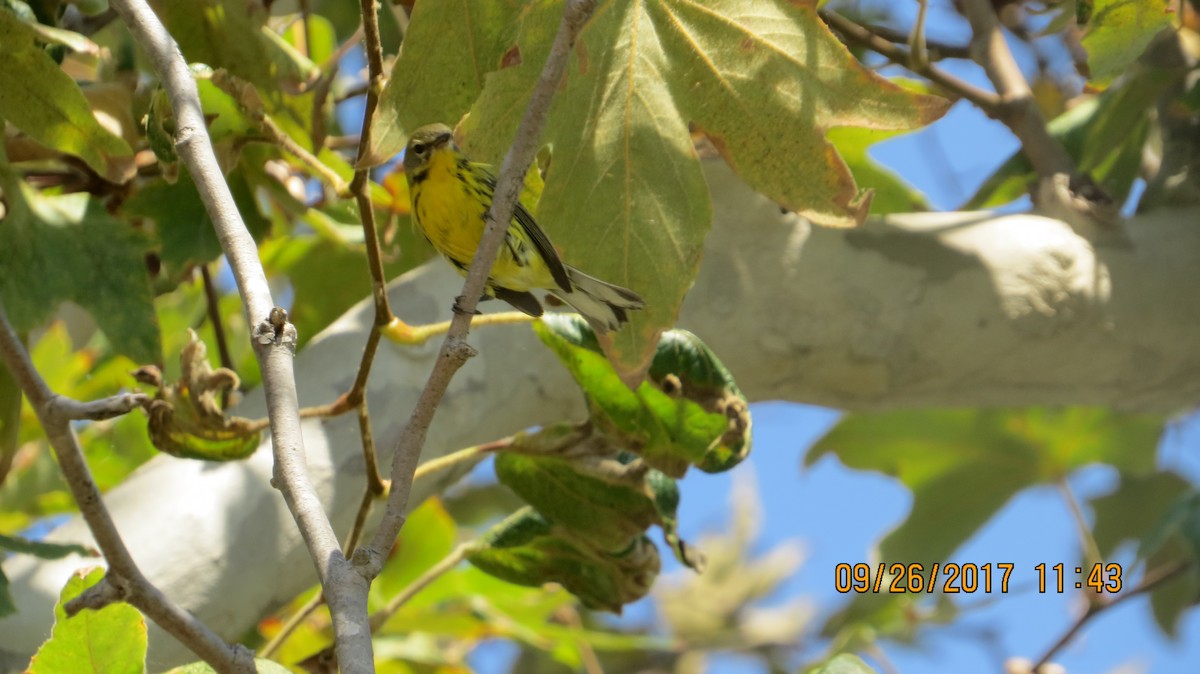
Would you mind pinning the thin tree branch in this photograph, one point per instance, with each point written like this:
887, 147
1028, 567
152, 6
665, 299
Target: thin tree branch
61, 407
445, 565
1149, 582
282, 139
987, 101
214, 317
454, 458
916, 41
360, 186
936, 50
1019, 111
376, 485
403, 333
273, 340
1091, 550
124, 579
218, 325
455, 351
297, 619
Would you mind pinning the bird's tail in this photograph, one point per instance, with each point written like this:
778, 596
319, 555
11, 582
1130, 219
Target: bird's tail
603, 304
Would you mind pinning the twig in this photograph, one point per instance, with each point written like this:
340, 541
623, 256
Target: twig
987, 101
282, 139
124, 579
376, 485
1019, 111
1149, 582
455, 351
273, 340
1091, 550
454, 458
218, 325
96, 410
936, 50
403, 333
434, 572
916, 41
356, 397
570, 616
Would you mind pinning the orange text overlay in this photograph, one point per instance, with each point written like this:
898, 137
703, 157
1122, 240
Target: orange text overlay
954, 578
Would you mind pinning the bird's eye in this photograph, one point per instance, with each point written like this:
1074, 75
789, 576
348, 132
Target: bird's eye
419, 148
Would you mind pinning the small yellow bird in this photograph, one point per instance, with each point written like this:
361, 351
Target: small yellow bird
451, 196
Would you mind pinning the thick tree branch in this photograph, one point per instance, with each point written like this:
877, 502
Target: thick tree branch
124, 580
455, 351
274, 339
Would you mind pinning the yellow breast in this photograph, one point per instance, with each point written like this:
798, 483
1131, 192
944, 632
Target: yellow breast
452, 212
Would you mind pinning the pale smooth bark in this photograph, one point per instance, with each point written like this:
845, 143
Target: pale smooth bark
954, 309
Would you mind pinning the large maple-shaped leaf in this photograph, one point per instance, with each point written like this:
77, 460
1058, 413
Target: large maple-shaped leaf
625, 198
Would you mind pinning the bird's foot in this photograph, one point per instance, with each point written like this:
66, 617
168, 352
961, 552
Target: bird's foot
458, 309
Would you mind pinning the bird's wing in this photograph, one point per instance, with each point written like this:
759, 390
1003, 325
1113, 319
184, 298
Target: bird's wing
535, 234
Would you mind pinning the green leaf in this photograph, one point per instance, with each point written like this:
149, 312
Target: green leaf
527, 549
1119, 31
222, 34
1182, 521
1150, 510
109, 641
43, 549
892, 194
1135, 508
1173, 540
599, 494
44, 102
625, 199
964, 465
428, 536
180, 221
689, 411
449, 80
263, 666
844, 663
323, 36
68, 247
